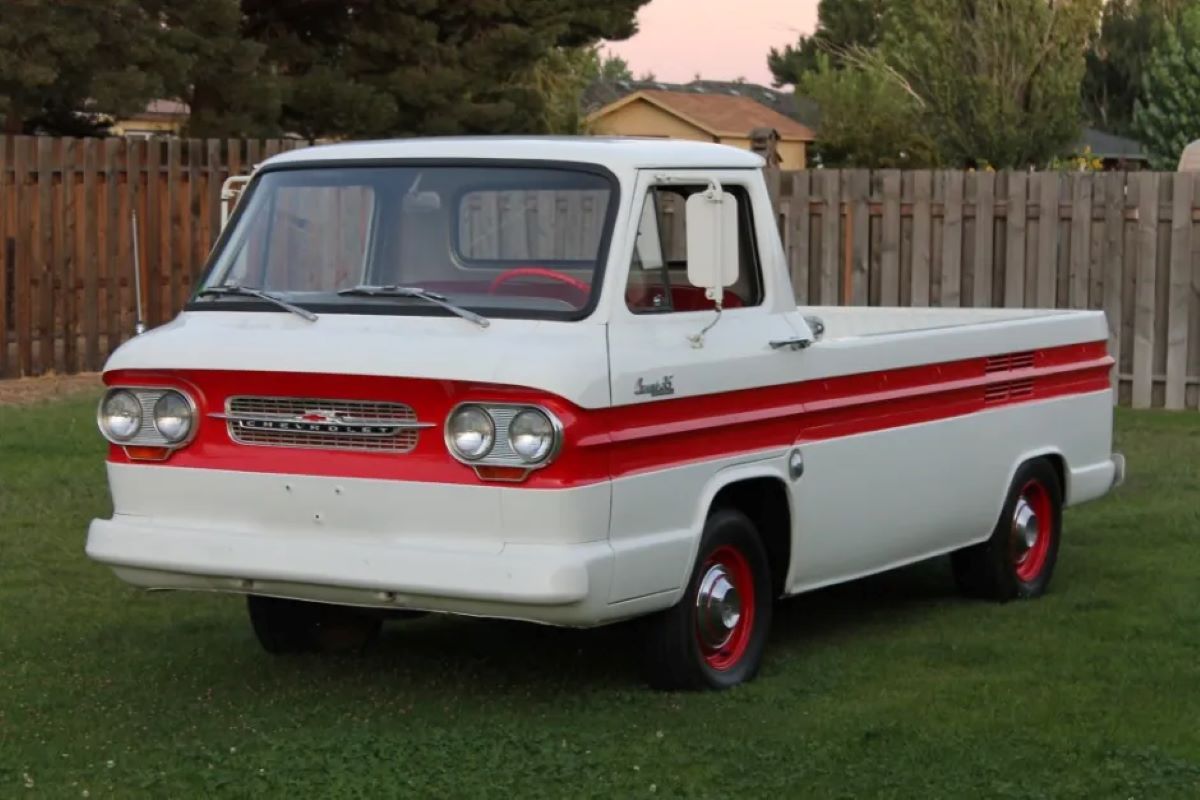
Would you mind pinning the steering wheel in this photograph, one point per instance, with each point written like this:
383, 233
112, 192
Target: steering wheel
538, 272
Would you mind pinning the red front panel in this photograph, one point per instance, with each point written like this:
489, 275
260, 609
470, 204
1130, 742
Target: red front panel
612, 442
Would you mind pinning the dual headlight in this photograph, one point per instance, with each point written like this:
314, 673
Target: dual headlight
152, 417
501, 435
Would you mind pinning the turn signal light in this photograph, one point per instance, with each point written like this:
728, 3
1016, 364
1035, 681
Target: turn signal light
147, 453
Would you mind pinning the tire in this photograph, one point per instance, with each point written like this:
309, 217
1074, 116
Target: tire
685, 649
292, 626
1018, 560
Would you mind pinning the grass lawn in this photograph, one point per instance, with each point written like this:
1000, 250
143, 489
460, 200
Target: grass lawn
889, 687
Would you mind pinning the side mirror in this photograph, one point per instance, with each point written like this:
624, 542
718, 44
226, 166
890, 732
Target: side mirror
712, 246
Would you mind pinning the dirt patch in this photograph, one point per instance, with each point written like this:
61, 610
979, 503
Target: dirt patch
30, 391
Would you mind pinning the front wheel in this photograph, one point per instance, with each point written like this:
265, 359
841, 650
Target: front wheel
715, 636
1018, 560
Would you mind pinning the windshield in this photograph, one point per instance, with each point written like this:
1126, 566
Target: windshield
500, 240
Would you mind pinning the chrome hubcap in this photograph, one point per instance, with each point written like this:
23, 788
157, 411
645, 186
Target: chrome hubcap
1024, 529
718, 607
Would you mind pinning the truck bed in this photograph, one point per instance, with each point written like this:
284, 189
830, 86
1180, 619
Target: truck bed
843, 322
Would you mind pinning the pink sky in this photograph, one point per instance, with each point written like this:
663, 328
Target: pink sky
720, 39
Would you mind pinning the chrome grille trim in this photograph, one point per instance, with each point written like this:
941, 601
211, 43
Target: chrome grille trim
322, 423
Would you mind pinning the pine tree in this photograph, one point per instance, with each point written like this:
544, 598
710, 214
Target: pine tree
841, 24
66, 67
1167, 114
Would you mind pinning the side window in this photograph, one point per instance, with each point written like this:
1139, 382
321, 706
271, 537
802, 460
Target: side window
658, 272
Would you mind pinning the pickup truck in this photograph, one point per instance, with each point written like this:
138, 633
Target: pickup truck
565, 380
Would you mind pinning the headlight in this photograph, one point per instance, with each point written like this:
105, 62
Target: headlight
173, 417
531, 435
120, 416
470, 432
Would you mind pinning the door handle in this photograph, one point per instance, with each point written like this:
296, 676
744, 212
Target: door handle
796, 343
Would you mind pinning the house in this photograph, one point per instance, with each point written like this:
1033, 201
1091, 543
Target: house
701, 113
1115, 152
160, 118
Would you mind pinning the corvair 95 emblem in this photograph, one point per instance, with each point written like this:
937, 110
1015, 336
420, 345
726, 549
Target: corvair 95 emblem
318, 421
655, 389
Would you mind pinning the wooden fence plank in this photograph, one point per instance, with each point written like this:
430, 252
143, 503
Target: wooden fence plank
801, 219
1081, 229
23, 274
985, 230
1047, 250
8, 247
1144, 311
112, 235
1114, 238
91, 261
172, 248
71, 253
214, 177
44, 263
830, 240
1179, 291
1015, 233
889, 265
152, 221
952, 241
922, 231
135, 156
860, 222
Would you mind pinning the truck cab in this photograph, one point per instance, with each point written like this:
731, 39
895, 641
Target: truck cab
565, 380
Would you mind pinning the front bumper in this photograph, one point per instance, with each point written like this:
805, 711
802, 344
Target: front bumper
540, 555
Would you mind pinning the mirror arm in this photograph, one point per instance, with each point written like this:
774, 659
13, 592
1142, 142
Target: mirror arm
697, 339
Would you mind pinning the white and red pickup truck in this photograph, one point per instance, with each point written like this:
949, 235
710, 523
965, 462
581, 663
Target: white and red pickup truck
566, 381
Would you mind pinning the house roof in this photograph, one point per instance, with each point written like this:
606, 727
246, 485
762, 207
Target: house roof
800, 108
717, 114
1108, 145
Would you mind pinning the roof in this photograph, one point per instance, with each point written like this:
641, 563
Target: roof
717, 114
800, 108
1108, 145
613, 152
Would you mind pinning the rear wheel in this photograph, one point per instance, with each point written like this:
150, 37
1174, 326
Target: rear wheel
294, 626
715, 636
1018, 560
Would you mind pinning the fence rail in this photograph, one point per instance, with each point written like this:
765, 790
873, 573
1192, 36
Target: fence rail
1126, 243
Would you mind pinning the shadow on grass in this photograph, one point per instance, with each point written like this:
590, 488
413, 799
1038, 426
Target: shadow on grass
490, 656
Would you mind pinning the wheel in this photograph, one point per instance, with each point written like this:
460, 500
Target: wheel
1018, 560
715, 636
293, 626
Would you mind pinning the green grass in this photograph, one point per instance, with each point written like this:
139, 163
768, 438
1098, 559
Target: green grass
889, 687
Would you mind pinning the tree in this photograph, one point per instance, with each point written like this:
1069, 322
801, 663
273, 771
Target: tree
841, 24
64, 66
224, 80
1129, 31
393, 67
996, 80
1167, 116
865, 122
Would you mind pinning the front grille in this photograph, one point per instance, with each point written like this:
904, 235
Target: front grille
323, 424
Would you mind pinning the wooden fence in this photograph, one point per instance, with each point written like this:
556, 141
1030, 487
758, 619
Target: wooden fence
66, 297
1126, 243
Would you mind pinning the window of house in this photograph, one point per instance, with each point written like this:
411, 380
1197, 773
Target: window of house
658, 272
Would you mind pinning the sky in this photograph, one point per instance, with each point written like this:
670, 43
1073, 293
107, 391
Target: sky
720, 39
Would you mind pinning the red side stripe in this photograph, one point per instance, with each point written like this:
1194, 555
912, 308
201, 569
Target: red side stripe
612, 442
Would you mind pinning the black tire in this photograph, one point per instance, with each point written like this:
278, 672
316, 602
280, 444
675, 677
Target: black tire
293, 626
1006, 566
675, 656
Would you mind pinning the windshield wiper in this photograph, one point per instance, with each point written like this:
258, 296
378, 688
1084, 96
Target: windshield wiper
234, 290
420, 294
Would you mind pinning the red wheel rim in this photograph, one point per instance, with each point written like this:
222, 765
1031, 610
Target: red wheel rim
725, 606
1032, 530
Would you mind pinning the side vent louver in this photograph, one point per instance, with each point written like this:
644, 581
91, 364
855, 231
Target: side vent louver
1008, 391
1009, 361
